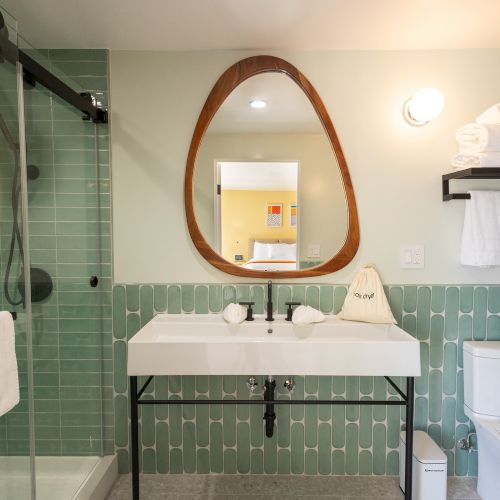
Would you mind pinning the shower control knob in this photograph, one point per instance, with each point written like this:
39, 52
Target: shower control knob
94, 280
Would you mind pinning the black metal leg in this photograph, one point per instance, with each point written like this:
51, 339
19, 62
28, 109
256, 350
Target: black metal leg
134, 437
410, 388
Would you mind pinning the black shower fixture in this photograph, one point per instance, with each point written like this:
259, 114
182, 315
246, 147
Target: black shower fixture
41, 284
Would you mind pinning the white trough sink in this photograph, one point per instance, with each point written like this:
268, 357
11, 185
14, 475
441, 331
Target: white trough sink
204, 344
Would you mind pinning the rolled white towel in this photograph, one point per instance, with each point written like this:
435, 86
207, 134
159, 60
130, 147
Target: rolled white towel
476, 160
479, 138
305, 315
491, 115
234, 313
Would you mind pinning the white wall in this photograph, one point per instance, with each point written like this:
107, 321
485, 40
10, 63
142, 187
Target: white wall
156, 98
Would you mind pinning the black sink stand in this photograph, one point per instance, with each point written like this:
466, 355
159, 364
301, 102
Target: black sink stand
269, 417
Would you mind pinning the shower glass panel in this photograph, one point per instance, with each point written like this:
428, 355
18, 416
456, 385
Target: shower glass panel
15, 425
71, 285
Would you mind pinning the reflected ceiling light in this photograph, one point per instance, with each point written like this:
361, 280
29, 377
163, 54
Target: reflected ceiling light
258, 103
424, 106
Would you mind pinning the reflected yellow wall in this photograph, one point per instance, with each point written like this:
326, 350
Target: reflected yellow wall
243, 217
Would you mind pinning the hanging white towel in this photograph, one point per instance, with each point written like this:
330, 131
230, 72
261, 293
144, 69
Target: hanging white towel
479, 138
491, 115
481, 232
9, 378
476, 160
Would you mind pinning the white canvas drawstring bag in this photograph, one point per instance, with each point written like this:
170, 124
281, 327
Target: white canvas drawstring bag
366, 300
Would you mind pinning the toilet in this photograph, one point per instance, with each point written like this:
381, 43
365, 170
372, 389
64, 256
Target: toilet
482, 406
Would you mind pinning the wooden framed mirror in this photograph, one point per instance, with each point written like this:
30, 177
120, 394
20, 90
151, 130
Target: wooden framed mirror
267, 189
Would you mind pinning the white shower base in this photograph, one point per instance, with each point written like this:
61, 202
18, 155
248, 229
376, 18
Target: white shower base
58, 478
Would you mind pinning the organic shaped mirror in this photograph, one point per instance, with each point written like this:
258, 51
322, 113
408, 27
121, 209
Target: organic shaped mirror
267, 188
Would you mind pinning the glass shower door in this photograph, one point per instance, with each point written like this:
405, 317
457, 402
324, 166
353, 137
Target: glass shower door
16, 451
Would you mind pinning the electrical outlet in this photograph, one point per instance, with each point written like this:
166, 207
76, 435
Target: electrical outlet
412, 257
314, 251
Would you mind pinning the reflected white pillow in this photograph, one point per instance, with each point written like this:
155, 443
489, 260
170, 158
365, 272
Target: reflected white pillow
261, 251
283, 251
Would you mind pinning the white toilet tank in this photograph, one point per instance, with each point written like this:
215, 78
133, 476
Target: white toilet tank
482, 377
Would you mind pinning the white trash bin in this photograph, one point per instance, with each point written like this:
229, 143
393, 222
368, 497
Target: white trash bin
429, 467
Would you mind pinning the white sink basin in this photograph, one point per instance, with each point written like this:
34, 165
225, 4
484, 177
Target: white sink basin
204, 344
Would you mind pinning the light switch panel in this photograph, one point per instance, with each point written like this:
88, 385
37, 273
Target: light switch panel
412, 257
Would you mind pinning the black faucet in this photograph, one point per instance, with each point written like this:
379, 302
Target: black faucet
269, 301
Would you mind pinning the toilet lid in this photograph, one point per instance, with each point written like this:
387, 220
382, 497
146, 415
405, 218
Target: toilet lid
483, 348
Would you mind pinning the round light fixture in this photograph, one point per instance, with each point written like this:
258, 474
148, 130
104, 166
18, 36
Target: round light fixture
258, 103
424, 106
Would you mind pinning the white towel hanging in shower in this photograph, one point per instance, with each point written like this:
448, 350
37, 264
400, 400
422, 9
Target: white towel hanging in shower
9, 378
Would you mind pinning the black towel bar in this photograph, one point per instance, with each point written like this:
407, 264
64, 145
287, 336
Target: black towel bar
468, 173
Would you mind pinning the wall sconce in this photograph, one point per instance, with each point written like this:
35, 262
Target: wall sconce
424, 106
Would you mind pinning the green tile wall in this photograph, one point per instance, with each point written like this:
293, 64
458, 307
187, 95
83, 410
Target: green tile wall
308, 440
69, 211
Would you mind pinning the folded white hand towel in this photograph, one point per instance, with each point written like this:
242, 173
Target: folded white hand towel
476, 160
481, 232
491, 115
479, 138
9, 378
305, 315
234, 313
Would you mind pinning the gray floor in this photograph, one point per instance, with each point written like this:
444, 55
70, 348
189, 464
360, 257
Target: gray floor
220, 487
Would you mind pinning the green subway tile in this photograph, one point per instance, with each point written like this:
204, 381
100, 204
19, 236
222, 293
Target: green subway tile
133, 325
396, 302
480, 313
299, 294
365, 426
284, 465
215, 392
324, 449
338, 462
326, 298
451, 313
494, 299
257, 426
448, 423
187, 298
123, 464
311, 462
132, 297
243, 443
461, 417
421, 413
202, 384
120, 366
423, 312
215, 298
229, 384
216, 453
176, 466
338, 385
438, 299
202, 424
461, 456
146, 303
283, 421
311, 425
188, 392
466, 299
312, 296
351, 449
392, 463
324, 392
161, 392
228, 295
257, 296
174, 299
270, 455
410, 324
256, 461
189, 447
436, 341
493, 328
311, 385
242, 392
380, 393
175, 425
160, 298
284, 295
148, 423
393, 425
464, 333
243, 293
121, 421
203, 461
352, 393
162, 448
365, 463
450, 368
201, 299
379, 448
229, 424
297, 448
435, 394
410, 299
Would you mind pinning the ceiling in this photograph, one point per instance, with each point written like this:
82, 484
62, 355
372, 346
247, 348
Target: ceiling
258, 24
288, 109
259, 176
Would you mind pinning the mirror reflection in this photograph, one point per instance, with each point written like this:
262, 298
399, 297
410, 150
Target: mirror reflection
268, 192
